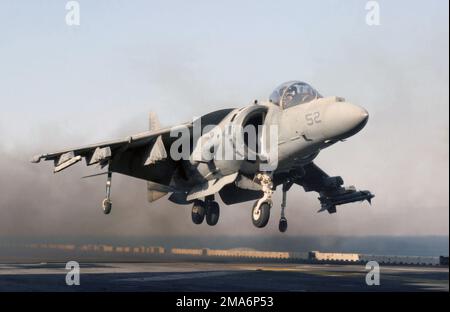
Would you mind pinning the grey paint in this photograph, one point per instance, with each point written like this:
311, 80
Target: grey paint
304, 129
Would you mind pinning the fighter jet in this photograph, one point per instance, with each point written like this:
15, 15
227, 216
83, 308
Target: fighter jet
237, 154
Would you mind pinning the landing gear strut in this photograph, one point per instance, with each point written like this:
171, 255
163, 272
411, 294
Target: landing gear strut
261, 208
106, 204
282, 226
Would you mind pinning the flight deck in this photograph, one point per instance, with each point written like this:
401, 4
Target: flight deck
42, 267
219, 276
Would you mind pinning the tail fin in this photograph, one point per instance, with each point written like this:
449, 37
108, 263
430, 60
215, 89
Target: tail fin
153, 124
153, 121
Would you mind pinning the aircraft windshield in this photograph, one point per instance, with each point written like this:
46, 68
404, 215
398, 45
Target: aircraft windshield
293, 93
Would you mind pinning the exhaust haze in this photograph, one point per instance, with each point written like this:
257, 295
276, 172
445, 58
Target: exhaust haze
64, 87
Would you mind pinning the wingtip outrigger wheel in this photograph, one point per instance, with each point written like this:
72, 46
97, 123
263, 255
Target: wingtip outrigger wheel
107, 204
282, 226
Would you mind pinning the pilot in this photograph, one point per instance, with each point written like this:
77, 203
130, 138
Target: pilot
291, 92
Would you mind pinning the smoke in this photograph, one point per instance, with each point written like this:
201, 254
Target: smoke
402, 155
36, 202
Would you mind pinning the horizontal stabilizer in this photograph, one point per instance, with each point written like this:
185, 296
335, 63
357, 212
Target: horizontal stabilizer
153, 186
179, 198
154, 195
155, 191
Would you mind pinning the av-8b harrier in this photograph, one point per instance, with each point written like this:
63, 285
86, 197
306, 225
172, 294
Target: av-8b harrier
239, 154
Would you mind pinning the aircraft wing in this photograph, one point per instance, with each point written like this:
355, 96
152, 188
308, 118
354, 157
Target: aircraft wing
331, 191
101, 153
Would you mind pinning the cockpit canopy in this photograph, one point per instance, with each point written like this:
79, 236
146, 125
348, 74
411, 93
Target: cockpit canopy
293, 93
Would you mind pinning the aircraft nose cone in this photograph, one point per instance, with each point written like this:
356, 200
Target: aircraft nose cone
361, 116
363, 113
355, 119
346, 119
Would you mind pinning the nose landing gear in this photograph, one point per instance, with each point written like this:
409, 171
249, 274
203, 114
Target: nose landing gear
261, 208
261, 213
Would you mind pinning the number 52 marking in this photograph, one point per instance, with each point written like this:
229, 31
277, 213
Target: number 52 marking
313, 118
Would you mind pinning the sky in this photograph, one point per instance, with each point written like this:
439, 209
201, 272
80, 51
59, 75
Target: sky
64, 86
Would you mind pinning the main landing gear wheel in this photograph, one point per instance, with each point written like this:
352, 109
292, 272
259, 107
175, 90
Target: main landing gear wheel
261, 214
106, 205
198, 212
212, 213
